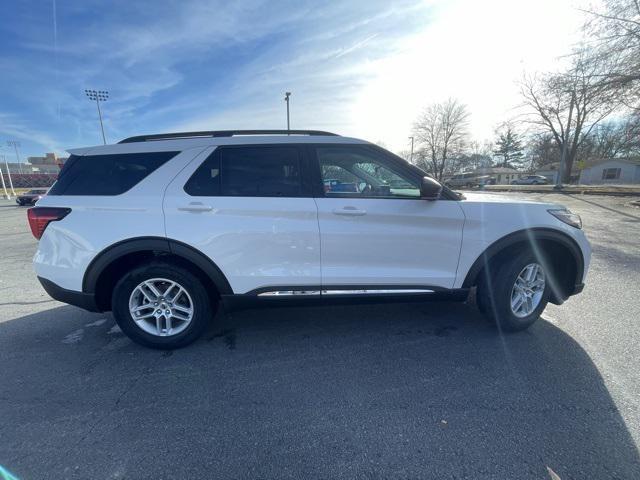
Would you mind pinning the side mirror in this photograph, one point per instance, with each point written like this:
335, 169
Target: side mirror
430, 189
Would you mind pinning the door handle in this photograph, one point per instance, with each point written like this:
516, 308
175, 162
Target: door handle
196, 207
351, 211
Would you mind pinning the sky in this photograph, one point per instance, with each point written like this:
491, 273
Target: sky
364, 68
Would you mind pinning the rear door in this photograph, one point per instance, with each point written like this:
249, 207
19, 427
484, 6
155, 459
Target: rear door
375, 230
249, 208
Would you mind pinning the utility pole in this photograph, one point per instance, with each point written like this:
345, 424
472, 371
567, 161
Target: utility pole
286, 99
98, 96
15, 144
411, 155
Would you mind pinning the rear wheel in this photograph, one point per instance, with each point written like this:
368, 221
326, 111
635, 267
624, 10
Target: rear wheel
161, 306
515, 293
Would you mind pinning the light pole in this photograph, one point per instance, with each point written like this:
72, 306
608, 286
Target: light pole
4, 187
286, 99
411, 154
98, 96
15, 144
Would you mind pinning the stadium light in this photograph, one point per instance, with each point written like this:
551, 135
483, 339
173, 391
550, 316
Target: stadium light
98, 96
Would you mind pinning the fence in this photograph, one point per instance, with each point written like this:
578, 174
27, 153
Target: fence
30, 180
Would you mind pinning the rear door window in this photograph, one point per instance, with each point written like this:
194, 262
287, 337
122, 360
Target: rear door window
106, 174
251, 171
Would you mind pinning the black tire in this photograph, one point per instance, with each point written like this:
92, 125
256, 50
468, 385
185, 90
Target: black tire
493, 295
203, 307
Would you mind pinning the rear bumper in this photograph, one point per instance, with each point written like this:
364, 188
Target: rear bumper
86, 301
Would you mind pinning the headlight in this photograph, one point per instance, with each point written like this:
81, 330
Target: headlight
565, 215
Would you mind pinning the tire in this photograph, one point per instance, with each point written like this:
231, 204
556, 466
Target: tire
495, 289
144, 331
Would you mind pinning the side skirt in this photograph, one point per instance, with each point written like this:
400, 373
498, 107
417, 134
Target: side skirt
339, 295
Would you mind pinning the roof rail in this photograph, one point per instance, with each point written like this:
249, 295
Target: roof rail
222, 133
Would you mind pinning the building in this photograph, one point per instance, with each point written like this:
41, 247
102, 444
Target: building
613, 170
50, 163
550, 172
502, 175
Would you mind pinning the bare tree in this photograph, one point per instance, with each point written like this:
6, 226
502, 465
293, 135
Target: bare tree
615, 138
615, 33
441, 132
541, 150
570, 105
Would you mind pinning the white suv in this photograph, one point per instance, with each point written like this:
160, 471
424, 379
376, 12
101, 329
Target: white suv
161, 229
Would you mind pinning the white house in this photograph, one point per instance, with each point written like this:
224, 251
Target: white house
550, 171
615, 170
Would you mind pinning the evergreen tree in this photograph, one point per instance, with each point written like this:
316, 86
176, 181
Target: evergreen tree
508, 148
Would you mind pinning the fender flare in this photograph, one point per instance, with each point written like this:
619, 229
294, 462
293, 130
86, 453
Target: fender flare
156, 244
531, 236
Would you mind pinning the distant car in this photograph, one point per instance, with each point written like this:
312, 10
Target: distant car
31, 197
469, 180
531, 180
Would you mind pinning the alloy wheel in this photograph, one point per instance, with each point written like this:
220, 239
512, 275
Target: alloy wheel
161, 307
527, 290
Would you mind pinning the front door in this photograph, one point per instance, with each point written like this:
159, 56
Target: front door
374, 228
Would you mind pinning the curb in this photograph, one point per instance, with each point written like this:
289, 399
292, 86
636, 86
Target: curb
621, 192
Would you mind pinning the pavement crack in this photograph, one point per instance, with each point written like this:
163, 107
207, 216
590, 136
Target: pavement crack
26, 303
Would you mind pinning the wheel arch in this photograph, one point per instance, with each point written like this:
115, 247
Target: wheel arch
142, 249
543, 240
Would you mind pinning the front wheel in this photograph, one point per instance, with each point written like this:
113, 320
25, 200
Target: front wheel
515, 293
161, 306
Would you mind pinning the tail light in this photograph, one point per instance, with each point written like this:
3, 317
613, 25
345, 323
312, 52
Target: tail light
40, 217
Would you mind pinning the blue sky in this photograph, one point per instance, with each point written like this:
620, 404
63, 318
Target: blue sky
176, 65
362, 68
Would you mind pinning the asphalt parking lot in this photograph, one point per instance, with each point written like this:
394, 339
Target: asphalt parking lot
423, 390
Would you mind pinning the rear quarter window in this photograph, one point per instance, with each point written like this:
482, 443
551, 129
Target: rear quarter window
106, 174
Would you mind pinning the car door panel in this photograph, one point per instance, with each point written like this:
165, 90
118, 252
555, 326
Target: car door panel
394, 241
256, 241
389, 241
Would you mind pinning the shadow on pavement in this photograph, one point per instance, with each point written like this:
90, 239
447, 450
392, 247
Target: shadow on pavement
367, 391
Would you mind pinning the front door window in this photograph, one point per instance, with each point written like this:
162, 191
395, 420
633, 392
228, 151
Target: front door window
358, 173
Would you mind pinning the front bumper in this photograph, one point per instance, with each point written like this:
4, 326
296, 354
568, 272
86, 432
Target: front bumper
83, 300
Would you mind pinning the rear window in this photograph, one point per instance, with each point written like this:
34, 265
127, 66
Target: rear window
106, 174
